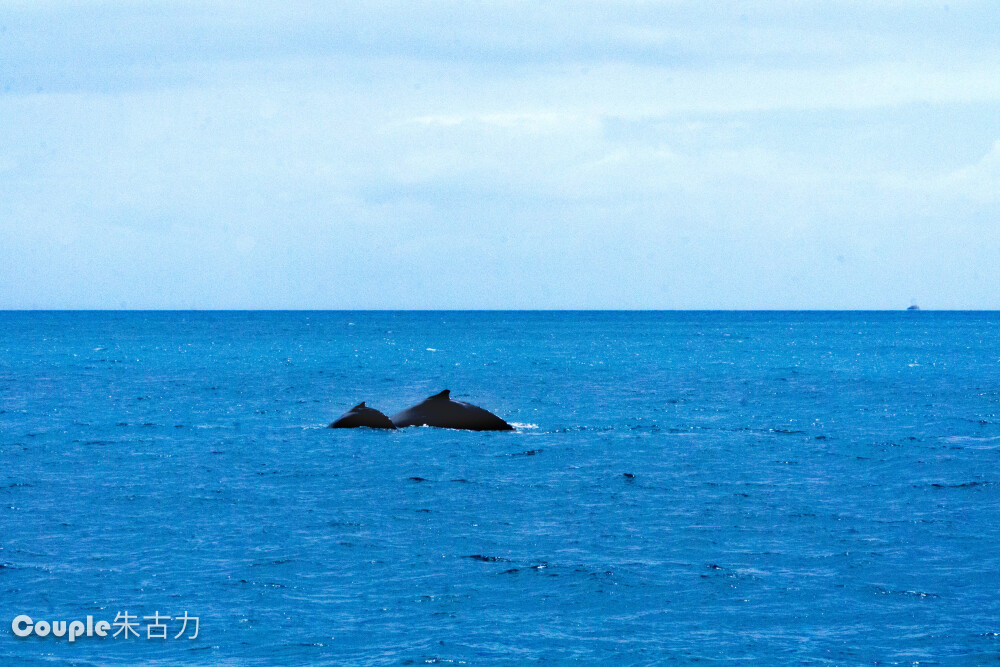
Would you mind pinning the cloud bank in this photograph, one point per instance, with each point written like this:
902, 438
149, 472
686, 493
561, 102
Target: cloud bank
444, 155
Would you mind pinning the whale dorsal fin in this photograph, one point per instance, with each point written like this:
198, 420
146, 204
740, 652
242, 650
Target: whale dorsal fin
444, 395
359, 406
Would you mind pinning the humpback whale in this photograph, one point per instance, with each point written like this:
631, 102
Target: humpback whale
441, 411
362, 415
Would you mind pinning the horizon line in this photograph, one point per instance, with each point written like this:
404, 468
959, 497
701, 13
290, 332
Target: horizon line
497, 310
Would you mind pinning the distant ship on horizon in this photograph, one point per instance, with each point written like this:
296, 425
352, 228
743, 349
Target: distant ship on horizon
914, 307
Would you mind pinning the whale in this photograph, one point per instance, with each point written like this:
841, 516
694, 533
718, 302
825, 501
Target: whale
442, 411
362, 415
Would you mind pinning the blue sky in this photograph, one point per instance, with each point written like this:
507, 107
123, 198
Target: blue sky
512, 155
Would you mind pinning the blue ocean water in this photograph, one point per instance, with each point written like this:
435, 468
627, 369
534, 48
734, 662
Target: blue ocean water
805, 487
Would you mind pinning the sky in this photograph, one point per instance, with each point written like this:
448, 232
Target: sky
503, 155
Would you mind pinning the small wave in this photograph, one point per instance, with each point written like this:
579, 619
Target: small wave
539, 567
521, 425
962, 485
970, 438
280, 561
266, 584
594, 429
488, 559
881, 590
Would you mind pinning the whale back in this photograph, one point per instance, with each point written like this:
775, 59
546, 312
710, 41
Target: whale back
361, 415
441, 411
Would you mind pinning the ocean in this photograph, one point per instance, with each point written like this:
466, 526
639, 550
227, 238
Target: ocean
714, 487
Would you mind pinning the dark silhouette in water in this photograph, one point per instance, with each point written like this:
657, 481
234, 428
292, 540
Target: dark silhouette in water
914, 307
441, 411
362, 415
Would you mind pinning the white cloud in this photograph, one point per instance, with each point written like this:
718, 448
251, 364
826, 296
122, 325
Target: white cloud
979, 181
307, 155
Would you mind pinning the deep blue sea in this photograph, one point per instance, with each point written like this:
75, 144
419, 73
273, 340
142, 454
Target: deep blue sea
801, 487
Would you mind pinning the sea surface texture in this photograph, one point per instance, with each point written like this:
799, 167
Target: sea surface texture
759, 488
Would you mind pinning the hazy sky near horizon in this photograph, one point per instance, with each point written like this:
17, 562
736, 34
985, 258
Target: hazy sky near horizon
507, 155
